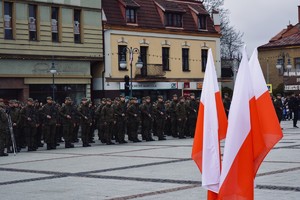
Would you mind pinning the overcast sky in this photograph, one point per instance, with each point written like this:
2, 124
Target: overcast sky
260, 20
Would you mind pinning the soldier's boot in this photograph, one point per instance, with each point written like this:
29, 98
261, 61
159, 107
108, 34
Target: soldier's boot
49, 147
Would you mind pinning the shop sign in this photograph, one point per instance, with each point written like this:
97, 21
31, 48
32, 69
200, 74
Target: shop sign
151, 85
292, 87
270, 88
199, 85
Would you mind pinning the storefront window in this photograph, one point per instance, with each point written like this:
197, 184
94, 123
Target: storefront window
41, 92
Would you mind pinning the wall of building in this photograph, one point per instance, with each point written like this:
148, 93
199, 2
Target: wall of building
268, 60
91, 47
154, 41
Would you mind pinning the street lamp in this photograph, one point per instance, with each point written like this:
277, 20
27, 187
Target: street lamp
281, 65
138, 64
53, 71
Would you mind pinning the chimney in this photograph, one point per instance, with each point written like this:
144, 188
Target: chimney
217, 20
298, 14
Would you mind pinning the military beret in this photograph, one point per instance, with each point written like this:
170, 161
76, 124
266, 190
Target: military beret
103, 99
49, 98
134, 98
84, 99
68, 98
117, 99
160, 97
108, 99
30, 99
192, 94
174, 95
122, 96
147, 97
182, 97
278, 94
131, 98
2, 104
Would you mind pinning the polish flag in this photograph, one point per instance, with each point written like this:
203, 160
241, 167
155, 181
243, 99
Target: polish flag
253, 130
210, 128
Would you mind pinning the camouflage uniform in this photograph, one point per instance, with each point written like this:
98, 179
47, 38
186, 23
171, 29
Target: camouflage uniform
192, 107
29, 121
147, 119
181, 117
67, 114
3, 129
160, 112
108, 116
173, 116
85, 122
133, 120
49, 115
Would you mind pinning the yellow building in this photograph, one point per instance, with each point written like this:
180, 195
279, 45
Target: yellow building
37, 36
280, 59
172, 39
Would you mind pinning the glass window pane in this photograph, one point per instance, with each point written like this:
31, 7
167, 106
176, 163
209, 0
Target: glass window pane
8, 25
32, 22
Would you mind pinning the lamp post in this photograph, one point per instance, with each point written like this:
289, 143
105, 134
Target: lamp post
53, 71
281, 65
138, 64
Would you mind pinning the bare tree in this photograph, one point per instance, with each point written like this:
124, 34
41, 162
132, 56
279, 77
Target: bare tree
231, 39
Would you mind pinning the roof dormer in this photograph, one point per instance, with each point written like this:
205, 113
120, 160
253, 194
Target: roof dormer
129, 10
171, 13
200, 16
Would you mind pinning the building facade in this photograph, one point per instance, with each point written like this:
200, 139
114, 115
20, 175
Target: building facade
280, 59
37, 36
171, 38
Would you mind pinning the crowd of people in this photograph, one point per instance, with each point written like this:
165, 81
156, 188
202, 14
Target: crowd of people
287, 108
32, 125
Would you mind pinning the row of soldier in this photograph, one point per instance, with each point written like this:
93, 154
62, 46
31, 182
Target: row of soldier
33, 123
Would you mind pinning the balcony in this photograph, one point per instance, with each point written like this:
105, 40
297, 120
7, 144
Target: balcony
150, 71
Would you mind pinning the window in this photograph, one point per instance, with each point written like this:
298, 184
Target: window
297, 64
77, 26
144, 53
8, 18
185, 59
32, 21
130, 15
165, 58
122, 55
55, 24
202, 22
204, 53
173, 19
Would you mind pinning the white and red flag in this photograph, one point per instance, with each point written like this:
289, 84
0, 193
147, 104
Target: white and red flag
210, 129
253, 130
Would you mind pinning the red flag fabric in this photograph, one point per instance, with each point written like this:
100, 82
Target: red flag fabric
210, 128
253, 130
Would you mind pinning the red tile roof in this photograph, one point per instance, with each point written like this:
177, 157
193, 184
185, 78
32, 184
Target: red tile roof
170, 6
199, 9
148, 14
287, 37
130, 3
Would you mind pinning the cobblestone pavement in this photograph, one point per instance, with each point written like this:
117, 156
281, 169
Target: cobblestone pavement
149, 170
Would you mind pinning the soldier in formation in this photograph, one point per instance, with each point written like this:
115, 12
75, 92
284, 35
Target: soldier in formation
34, 122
